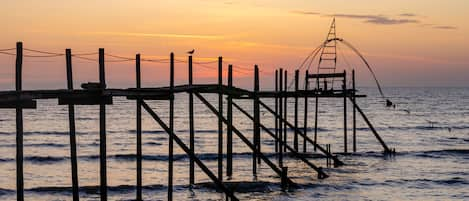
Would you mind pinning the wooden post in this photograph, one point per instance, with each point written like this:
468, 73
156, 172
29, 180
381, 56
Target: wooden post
257, 117
285, 105
328, 159
229, 136
316, 113
295, 136
280, 123
71, 121
139, 128
220, 122
171, 128
284, 183
305, 114
354, 117
102, 130
344, 88
19, 125
191, 125
276, 111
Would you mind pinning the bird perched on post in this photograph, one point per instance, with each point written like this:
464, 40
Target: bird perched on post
191, 52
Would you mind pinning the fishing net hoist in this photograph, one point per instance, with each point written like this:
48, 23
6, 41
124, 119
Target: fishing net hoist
328, 81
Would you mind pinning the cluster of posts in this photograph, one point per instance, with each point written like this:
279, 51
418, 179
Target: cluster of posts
99, 94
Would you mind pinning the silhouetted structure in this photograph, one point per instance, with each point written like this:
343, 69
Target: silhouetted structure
99, 94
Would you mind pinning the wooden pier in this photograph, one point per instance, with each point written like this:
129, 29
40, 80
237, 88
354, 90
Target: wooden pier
99, 94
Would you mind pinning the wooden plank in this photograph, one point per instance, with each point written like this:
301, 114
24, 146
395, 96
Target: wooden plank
326, 75
85, 99
22, 103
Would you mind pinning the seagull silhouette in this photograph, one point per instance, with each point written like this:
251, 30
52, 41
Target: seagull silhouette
191, 52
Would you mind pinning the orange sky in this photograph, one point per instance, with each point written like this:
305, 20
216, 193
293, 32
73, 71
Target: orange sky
408, 43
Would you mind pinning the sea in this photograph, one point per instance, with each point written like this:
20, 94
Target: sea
428, 128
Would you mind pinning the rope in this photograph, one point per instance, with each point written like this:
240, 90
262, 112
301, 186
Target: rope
367, 65
42, 56
7, 49
84, 58
120, 57
206, 62
156, 60
349, 67
86, 54
43, 52
310, 57
7, 53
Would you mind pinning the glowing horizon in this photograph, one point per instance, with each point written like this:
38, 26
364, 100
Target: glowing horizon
418, 43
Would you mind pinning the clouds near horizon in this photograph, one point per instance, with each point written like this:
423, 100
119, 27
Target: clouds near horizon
379, 19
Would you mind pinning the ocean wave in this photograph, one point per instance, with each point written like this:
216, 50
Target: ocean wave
36, 145
444, 153
147, 131
92, 189
6, 191
129, 157
426, 154
445, 182
44, 159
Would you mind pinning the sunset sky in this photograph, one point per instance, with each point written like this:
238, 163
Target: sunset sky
408, 43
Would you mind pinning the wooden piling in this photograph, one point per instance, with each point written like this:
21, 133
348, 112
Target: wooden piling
139, 128
305, 114
284, 183
102, 130
257, 117
344, 88
280, 123
354, 117
295, 136
220, 122
19, 125
71, 121
285, 113
276, 111
254, 134
191, 125
316, 108
171, 128
229, 136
